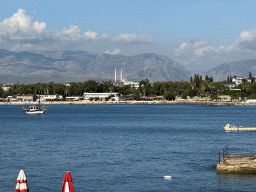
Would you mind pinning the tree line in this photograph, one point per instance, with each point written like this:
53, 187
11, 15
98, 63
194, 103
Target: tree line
169, 89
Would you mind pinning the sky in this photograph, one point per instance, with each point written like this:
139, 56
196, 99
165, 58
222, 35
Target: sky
199, 34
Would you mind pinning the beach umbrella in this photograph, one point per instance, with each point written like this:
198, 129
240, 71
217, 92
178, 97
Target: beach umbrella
21, 183
67, 183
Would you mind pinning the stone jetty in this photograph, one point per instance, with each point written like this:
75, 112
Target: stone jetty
237, 164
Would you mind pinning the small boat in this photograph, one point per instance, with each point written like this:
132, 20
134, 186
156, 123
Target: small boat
229, 127
34, 109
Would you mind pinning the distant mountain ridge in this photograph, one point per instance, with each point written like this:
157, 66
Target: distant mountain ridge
64, 66
239, 68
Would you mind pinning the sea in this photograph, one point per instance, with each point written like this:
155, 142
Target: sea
124, 147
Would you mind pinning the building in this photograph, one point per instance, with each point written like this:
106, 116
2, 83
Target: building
87, 96
135, 85
5, 88
251, 101
25, 98
20, 98
55, 97
239, 80
124, 82
229, 84
224, 98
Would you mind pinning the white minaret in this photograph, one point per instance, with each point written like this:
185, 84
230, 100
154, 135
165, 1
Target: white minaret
121, 78
115, 76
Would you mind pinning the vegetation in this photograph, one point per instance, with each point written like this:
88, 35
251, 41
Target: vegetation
170, 90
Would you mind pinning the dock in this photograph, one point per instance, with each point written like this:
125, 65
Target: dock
229, 127
236, 164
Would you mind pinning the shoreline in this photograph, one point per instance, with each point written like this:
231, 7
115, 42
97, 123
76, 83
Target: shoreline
86, 102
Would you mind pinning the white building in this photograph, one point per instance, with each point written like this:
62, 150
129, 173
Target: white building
5, 88
136, 84
124, 82
25, 98
55, 97
239, 80
87, 96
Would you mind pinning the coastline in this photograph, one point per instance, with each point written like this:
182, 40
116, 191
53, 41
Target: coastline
87, 102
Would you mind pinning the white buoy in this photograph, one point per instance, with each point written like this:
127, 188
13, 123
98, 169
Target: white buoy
167, 177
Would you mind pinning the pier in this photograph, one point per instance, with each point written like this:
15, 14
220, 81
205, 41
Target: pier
229, 127
236, 164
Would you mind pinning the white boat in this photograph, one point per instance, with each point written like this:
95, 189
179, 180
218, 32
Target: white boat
34, 109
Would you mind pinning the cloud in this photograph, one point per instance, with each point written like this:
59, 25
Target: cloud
133, 38
21, 23
71, 34
197, 53
126, 37
247, 40
19, 33
90, 35
114, 52
193, 47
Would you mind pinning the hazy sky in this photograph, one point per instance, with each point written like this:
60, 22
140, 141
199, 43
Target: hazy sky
198, 34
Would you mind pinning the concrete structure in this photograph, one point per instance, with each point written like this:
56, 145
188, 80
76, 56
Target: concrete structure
87, 96
237, 164
229, 127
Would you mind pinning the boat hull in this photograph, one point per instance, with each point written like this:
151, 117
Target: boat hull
35, 112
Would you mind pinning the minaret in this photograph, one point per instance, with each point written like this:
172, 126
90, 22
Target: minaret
115, 76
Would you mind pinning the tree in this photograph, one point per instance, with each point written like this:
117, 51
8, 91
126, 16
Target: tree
169, 96
250, 75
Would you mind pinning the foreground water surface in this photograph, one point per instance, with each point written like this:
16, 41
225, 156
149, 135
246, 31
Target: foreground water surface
123, 147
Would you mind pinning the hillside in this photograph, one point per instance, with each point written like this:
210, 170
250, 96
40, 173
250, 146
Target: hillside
238, 68
63, 66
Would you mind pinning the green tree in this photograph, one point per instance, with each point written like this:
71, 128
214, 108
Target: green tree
250, 75
169, 96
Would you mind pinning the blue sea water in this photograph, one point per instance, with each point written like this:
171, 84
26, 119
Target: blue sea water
124, 147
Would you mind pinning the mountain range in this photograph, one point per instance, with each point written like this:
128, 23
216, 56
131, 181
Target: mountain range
77, 66
73, 66
238, 68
